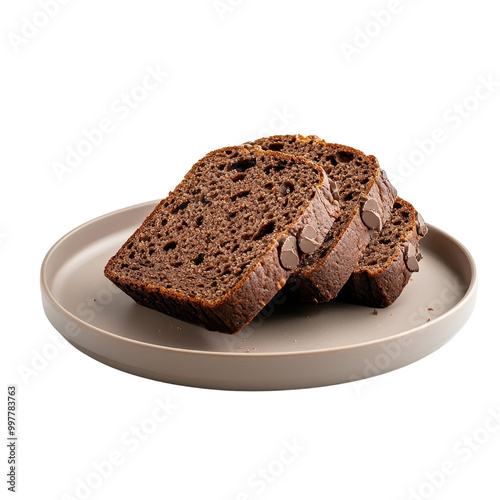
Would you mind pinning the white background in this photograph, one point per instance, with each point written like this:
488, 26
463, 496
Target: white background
244, 69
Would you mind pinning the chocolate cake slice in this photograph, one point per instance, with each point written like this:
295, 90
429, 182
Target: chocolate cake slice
366, 198
221, 245
389, 260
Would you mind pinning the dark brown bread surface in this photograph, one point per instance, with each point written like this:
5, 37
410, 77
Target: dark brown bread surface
211, 252
358, 178
389, 259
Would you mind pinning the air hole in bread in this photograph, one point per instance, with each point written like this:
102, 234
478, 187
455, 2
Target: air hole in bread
277, 167
243, 164
286, 188
282, 164
277, 146
332, 160
344, 156
180, 207
199, 259
264, 230
171, 245
240, 194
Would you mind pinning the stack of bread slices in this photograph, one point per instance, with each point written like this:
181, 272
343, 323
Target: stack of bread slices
246, 220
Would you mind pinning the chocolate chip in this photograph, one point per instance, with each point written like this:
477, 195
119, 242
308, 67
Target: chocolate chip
335, 190
307, 240
372, 219
289, 256
370, 214
410, 256
422, 228
371, 204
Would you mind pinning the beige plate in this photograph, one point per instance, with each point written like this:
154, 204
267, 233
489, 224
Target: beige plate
285, 347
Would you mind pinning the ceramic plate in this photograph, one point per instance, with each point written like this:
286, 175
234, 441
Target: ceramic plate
285, 347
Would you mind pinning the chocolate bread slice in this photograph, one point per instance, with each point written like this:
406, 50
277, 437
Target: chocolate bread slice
366, 198
389, 260
221, 245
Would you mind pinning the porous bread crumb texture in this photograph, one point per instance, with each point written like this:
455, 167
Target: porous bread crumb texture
218, 223
353, 172
385, 246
